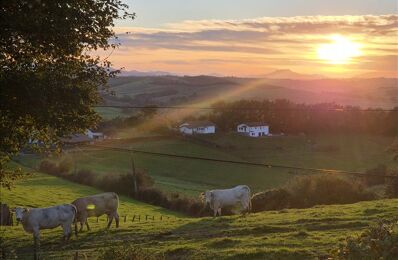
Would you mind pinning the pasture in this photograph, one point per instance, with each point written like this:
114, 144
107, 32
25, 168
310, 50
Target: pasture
287, 234
349, 152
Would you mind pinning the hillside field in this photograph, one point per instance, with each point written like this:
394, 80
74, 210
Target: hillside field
190, 177
287, 234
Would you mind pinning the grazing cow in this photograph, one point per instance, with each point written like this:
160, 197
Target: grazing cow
95, 206
35, 219
218, 199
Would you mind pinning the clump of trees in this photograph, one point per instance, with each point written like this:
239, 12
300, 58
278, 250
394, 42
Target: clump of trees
109, 127
293, 118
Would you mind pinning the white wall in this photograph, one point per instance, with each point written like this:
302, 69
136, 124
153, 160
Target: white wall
198, 130
186, 130
253, 131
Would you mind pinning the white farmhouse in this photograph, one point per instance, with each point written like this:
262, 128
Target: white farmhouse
254, 129
94, 135
191, 128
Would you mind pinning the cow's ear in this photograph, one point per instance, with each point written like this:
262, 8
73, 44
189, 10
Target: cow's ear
25, 209
13, 210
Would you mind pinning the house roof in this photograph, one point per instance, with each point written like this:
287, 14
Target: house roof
196, 124
251, 124
76, 138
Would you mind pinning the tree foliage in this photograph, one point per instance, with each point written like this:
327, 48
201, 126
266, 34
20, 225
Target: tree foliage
293, 118
50, 74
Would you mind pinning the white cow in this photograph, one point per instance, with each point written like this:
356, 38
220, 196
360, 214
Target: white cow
218, 199
35, 219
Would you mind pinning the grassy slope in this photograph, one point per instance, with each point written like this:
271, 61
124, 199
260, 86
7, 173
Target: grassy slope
287, 234
356, 153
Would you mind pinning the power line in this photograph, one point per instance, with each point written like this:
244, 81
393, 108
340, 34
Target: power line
267, 165
251, 108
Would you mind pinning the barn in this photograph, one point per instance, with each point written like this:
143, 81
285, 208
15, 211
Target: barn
198, 127
253, 129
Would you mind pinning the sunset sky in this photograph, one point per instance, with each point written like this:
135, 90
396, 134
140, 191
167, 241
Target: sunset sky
254, 37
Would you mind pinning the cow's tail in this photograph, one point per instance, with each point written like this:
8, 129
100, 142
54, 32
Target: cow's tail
75, 219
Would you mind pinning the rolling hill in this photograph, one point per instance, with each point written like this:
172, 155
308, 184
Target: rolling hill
205, 90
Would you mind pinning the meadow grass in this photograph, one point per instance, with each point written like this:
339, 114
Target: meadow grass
285, 234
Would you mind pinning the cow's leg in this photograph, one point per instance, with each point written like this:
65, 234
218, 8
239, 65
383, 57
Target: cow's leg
88, 227
243, 207
116, 216
219, 212
110, 217
36, 242
67, 231
82, 220
215, 210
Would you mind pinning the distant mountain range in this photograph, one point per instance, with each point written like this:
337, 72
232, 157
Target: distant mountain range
136, 73
276, 74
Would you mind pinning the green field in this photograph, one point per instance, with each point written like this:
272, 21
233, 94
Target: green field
354, 153
285, 234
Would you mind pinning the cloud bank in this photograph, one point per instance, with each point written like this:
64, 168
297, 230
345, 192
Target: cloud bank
253, 46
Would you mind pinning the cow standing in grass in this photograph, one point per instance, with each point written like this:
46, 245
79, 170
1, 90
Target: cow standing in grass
218, 199
33, 220
96, 206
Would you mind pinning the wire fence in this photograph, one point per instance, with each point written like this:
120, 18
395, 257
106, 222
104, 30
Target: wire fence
255, 164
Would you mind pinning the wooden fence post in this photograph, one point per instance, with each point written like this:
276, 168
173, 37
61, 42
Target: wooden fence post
76, 257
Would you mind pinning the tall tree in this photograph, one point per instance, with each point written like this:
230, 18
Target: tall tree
50, 76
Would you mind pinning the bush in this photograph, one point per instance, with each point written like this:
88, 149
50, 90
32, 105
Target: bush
127, 252
55, 169
65, 166
86, 177
392, 186
48, 167
378, 242
376, 175
307, 191
153, 196
274, 199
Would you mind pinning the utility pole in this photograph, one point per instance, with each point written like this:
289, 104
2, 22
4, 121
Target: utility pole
134, 175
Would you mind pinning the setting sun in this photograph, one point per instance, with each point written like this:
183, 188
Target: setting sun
340, 51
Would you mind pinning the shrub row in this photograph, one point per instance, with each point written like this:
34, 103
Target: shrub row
311, 190
123, 184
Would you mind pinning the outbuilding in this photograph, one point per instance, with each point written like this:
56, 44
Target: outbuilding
253, 129
198, 127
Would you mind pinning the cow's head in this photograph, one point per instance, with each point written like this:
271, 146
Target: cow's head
208, 197
19, 213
